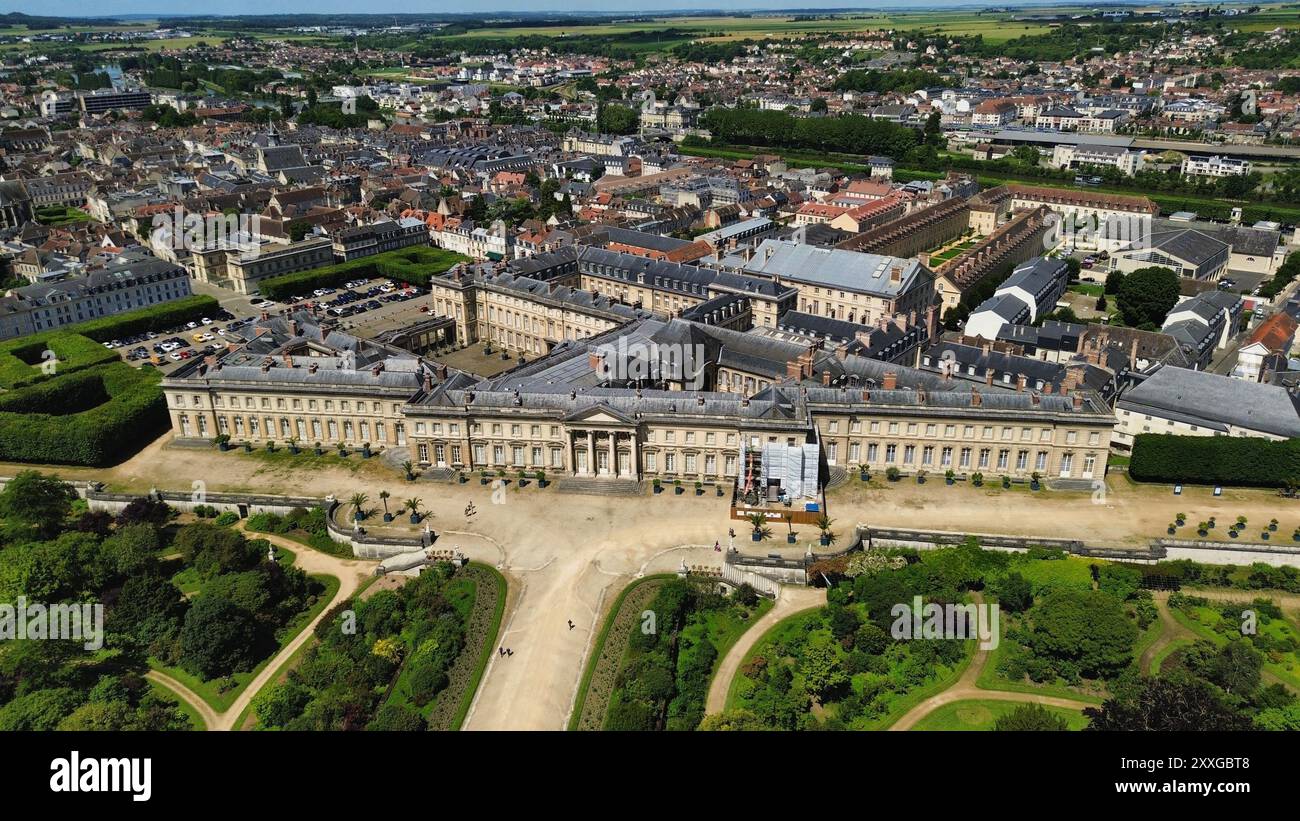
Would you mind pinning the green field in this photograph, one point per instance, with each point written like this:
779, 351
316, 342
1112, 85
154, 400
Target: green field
980, 714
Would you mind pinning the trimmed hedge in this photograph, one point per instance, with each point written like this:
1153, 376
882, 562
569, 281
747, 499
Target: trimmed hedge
134, 414
415, 265
73, 393
20, 359
1214, 460
148, 320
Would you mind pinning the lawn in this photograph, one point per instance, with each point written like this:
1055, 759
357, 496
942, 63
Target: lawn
1210, 623
980, 714
165, 693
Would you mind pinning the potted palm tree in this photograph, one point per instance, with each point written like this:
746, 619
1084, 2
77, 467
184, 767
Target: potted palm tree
893, 474
413, 504
1006, 481
270, 446
718, 487
759, 523
358, 503
699, 488
365, 450
658, 485
863, 474
1203, 529
293, 445
342, 448
789, 524
540, 476
1172, 529
1272, 524
483, 476
977, 479
920, 477
522, 478
408, 469
677, 487
222, 441
949, 477
248, 446
320, 451
1180, 519
824, 524
383, 497
1035, 481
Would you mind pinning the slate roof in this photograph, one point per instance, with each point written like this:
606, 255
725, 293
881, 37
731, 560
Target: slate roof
1214, 402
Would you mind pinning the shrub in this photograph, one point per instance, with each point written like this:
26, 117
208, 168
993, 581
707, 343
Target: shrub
415, 265
1214, 460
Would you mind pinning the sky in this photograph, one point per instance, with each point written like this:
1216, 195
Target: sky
77, 8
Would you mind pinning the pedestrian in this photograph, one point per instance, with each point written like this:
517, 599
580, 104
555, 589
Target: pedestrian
570, 624
509, 652
717, 546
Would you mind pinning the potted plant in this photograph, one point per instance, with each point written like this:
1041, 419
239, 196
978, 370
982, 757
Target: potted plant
248, 446
920, 477
1171, 530
1295, 537
1211, 523
1035, 481
1272, 524
222, 441
413, 505
677, 487
977, 479
270, 446
1241, 522
1264, 535
1180, 519
1006, 481
365, 450
789, 523
501, 474
949, 477
293, 445
892, 473
461, 478
540, 476
863, 474
824, 524
1203, 529
759, 523
718, 487
658, 485
521, 478
320, 451
483, 476
342, 448
358, 503
699, 488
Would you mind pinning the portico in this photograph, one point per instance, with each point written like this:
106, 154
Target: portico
603, 444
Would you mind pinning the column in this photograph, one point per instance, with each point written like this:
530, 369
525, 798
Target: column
613, 453
636, 461
591, 453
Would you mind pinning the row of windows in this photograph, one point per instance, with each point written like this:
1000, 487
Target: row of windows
958, 458
1006, 432
264, 402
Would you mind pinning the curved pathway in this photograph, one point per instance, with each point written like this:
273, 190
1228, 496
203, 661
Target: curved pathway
1171, 631
205, 711
791, 601
349, 572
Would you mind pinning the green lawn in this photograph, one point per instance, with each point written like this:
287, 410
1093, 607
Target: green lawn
166, 694
980, 714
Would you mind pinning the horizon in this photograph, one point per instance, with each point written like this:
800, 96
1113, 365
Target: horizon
148, 9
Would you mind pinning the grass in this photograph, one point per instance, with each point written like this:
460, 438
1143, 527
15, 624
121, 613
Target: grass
980, 714
306, 459
1202, 620
166, 694
598, 647
485, 654
1158, 660
222, 701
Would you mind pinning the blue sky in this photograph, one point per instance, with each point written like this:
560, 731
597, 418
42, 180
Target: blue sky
73, 8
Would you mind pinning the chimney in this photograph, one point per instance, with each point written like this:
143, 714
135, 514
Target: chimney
920, 396
1034, 399
988, 377
793, 370
311, 367
866, 397
288, 361
1047, 388
428, 382
266, 367
975, 399
826, 377
842, 352
377, 369
596, 361
293, 327
1078, 400
891, 380
440, 371
1020, 383
266, 315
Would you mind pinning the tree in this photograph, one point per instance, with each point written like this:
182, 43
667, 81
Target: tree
1147, 295
1015, 593
822, 669
1033, 717
733, 720
37, 501
217, 638
616, 119
358, 504
1085, 629
1167, 705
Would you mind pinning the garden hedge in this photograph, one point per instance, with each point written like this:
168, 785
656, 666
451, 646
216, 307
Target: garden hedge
149, 320
134, 413
21, 359
1214, 460
415, 265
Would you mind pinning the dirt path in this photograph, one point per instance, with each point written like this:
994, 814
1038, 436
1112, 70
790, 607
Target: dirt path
791, 601
349, 572
1171, 631
206, 713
